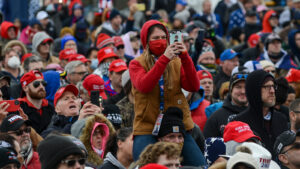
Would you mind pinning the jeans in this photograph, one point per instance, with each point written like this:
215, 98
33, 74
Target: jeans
192, 155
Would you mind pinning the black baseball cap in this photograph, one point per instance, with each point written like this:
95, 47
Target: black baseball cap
284, 139
8, 157
12, 123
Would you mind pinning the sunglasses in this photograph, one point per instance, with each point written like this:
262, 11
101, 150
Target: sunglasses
20, 132
45, 43
72, 162
241, 76
36, 84
294, 146
120, 47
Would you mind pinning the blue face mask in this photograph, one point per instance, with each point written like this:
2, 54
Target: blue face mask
94, 64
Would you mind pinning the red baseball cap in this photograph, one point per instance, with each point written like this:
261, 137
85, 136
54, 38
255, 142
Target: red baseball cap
24, 57
66, 53
293, 75
118, 41
94, 82
60, 92
78, 57
106, 52
202, 74
30, 77
238, 131
117, 66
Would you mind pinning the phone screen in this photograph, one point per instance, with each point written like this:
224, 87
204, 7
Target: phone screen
175, 36
95, 97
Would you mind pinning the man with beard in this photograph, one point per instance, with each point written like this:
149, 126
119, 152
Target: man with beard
34, 104
295, 115
17, 127
260, 115
235, 103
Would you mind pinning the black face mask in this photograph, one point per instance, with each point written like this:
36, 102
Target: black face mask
278, 56
5, 92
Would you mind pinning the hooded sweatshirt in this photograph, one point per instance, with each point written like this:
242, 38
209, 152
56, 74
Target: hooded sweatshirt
217, 121
253, 115
4, 28
292, 43
38, 38
53, 83
91, 123
267, 28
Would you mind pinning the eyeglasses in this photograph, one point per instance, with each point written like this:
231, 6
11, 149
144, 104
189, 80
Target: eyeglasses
72, 162
20, 132
268, 87
294, 146
36, 84
80, 73
241, 76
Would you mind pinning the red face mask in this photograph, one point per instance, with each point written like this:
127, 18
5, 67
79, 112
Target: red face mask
158, 47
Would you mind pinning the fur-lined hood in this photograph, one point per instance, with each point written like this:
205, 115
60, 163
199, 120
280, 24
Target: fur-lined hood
93, 158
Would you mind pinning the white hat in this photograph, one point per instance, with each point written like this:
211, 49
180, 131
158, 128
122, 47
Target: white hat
266, 63
41, 15
241, 157
262, 155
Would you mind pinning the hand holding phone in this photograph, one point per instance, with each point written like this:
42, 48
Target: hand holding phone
13, 105
95, 97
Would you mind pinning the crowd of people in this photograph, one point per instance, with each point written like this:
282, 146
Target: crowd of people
157, 84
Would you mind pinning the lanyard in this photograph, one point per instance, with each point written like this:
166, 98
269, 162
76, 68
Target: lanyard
161, 92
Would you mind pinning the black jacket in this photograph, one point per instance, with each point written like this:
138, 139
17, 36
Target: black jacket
219, 79
216, 122
253, 115
39, 120
60, 124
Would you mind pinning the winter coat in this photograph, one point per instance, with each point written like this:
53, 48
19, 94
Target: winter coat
219, 119
61, 124
253, 115
197, 107
34, 161
285, 62
111, 162
127, 112
87, 130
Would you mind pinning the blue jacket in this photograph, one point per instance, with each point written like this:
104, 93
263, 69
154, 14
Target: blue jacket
237, 19
285, 62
